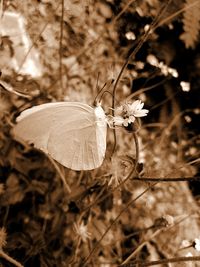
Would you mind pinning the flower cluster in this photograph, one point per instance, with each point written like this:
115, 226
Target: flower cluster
126, 113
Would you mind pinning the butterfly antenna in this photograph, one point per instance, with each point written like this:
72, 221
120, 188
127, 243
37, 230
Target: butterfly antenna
99, 95
97, 84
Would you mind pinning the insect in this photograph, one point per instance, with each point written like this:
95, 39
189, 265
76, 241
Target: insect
72, 133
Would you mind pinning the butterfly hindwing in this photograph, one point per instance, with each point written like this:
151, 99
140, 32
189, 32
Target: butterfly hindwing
84, 143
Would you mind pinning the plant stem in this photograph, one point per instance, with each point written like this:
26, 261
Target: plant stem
165, 261
8, 258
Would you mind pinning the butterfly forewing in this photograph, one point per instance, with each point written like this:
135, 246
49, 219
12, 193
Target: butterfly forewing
35, 124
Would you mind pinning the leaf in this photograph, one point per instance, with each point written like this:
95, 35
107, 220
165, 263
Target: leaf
191, 23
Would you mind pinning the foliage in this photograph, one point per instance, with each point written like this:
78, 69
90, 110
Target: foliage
106, 219
191, 23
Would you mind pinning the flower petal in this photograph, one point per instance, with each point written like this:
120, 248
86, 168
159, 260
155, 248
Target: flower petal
141, 113
118, 120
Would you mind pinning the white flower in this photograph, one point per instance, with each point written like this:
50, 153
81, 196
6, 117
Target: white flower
120, 121
128, 120
82, 231
189, 254
117, 120
126, 113
136, 110
197, 244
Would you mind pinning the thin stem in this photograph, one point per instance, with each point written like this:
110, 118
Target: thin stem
123, 10
132, 55
175, 14
142, 90
137, 151
1, 10
129, 176
33, 43
60, 173
60, 47
164, 261
135, 51
9, 259
115, 220
145, 242
147, 179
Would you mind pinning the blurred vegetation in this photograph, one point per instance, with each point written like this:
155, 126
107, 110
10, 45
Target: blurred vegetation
74, 44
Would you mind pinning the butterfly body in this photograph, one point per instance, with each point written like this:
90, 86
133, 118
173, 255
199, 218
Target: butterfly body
72, 133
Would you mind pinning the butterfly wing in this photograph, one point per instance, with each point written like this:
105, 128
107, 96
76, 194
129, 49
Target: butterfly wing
67, 131
80, 144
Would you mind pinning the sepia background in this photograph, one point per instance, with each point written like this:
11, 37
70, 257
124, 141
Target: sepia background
67, 51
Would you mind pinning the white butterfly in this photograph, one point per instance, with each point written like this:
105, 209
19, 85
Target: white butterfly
72, 133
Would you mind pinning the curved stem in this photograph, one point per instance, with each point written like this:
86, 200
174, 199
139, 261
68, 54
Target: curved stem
132, 55
60, 174
130, 175
137, 151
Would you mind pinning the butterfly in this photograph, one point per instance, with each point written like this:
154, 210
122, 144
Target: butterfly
72, 133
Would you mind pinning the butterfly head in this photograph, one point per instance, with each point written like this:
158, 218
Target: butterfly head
100, 114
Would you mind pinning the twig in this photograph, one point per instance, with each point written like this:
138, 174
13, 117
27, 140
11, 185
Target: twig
175, 14
132, 55
33, 43
61, 48
129, 176
60, 173
123, 10
147, 179
140, 247
9, 259
164, 261
1, 10
114, 221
